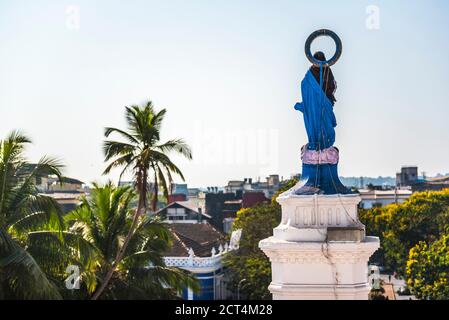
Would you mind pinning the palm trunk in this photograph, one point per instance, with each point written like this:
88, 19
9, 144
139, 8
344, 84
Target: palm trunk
156, 192
140, 207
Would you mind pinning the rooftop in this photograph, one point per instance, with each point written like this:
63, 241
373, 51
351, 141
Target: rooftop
70, 180
201, 237
443, 179
193, 206
235, 183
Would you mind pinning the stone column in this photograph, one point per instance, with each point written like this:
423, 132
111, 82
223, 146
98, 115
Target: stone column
319, 251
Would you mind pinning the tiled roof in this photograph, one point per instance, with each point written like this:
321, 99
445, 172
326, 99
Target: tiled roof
201, 237
71, 180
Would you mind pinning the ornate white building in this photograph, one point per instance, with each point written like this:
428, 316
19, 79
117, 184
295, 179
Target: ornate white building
199, 248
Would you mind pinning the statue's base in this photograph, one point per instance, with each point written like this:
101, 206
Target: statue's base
333, 270
315, 292
319, 250
309, 218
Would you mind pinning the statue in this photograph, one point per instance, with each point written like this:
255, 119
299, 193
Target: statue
319, 156
319, 250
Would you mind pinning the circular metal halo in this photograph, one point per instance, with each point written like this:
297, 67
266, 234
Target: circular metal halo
338, 46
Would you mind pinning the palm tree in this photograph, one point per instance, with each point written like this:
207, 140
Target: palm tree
103, 221
24, 211
143, 154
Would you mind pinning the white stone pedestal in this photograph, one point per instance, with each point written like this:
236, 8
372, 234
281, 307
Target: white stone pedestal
319, 251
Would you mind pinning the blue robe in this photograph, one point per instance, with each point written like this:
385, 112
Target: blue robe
319, 117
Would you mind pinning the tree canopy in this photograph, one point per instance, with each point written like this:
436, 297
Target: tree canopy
102, 222
423, 217
141, 151
249, 262
23, 213
428, 269
38, 243
413, 243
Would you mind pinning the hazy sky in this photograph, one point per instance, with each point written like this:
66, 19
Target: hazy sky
228, 73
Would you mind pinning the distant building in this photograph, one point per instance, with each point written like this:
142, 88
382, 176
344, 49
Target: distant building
198, 198
223, 206
407, 177
228, 224
381, 198
194, 192
67, 192
180, 188
362, 182
252, 198
269, 187
273, 180
176, 197
66, 185
234, 186
432, 184
218, 206
200, 248
183, 212
126, 183
43, 183
67, 200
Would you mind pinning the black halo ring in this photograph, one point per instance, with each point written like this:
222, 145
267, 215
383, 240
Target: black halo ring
320, 33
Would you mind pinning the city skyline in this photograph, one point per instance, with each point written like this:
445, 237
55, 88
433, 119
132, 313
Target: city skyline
229, 75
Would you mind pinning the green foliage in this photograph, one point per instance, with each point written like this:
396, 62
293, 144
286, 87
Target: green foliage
100, 224
428, 269
37, 243
142, 152
285, 185
375, 224
423, 217
249, 262
24, 211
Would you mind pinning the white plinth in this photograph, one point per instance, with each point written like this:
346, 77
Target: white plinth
306, 218
306, 264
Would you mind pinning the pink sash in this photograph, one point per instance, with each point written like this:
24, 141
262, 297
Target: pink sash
325, 156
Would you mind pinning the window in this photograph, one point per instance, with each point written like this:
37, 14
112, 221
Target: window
176, 213
180, 211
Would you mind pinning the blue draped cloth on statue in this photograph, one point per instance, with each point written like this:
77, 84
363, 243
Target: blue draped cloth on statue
319, 117
319, 120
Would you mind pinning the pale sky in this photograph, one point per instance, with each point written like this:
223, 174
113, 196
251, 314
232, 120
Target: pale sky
228, 73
